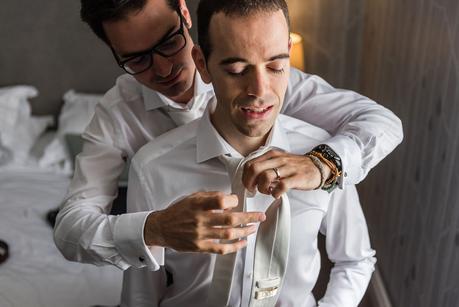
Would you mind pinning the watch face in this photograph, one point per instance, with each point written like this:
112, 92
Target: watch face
330, 155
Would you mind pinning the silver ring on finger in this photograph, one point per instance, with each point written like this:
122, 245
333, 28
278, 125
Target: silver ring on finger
276, 170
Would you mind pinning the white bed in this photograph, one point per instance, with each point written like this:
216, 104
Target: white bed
34, 176
36, 274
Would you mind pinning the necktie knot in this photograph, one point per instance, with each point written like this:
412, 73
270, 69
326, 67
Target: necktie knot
235, 168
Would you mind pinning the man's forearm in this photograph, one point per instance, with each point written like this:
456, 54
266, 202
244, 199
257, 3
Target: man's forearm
84, 234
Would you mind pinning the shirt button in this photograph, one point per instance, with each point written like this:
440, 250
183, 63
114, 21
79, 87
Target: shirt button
345, 174
141, 259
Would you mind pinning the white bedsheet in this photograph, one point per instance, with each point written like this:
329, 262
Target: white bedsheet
36, 274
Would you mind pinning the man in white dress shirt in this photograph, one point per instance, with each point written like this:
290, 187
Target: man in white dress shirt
250, 72
162, 90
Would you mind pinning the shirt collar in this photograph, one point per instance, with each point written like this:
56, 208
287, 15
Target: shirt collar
210, 144
154, 100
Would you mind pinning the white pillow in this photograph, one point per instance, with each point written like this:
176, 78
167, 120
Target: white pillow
14, 105
6, 156
25, 135
76, 113
18, 129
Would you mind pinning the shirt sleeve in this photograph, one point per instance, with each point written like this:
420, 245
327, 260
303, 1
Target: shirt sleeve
84, 230
363, 132
348, 247
130, 236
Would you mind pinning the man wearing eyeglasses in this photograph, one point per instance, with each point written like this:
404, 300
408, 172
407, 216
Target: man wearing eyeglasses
150, 40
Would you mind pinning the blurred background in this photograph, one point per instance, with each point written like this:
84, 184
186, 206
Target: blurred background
404, 54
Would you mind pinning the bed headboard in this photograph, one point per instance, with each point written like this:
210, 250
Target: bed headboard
44, 44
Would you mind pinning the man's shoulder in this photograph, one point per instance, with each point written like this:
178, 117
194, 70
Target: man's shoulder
301, 88
299, 80
125, 90
302, 131
166, 144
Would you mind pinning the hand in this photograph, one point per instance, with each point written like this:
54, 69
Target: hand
194, 223
297, 172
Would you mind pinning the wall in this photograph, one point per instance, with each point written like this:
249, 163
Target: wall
403, 54
410, 62
332, 38
44, 43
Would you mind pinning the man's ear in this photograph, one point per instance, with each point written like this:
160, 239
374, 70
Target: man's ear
290, 44
201, 63
185, 13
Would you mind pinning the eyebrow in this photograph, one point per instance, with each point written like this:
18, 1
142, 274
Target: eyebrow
233, 60
136, 53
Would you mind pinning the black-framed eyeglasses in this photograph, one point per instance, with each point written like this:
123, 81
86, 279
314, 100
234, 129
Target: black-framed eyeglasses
167, 47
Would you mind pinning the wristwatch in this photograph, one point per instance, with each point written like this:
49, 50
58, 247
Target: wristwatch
331, 156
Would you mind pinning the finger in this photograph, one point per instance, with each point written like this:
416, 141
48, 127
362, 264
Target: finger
214, 201
268, 179
209, 246
283, 186
230, 233
232, 219
253, 169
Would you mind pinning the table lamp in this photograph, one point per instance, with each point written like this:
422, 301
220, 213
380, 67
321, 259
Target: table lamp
297, 52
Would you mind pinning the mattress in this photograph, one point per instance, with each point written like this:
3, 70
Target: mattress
36, 274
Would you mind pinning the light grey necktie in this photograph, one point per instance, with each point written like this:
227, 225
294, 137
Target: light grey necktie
271, 247
185, 116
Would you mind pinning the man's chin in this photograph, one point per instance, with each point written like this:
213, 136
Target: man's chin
176, 89
172, 92
255, 131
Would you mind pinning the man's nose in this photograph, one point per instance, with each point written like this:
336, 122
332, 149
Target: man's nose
162, 66
257, 84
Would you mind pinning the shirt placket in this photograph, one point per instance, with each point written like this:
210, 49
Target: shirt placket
247, 276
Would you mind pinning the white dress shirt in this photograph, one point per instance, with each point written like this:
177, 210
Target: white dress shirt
130, 115
185, 161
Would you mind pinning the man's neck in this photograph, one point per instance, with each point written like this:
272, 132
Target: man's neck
241, 143
186, 96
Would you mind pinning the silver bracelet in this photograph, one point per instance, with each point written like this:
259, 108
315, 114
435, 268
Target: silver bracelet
320, 166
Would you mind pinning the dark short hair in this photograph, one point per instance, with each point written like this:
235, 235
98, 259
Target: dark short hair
96, 12
238, 8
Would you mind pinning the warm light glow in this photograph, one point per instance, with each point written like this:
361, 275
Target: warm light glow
297, 52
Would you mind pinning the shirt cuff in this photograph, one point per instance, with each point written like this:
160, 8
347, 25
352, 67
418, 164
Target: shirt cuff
129, 240
351, 158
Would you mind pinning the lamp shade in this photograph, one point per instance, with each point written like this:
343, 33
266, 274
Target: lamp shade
297, 52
